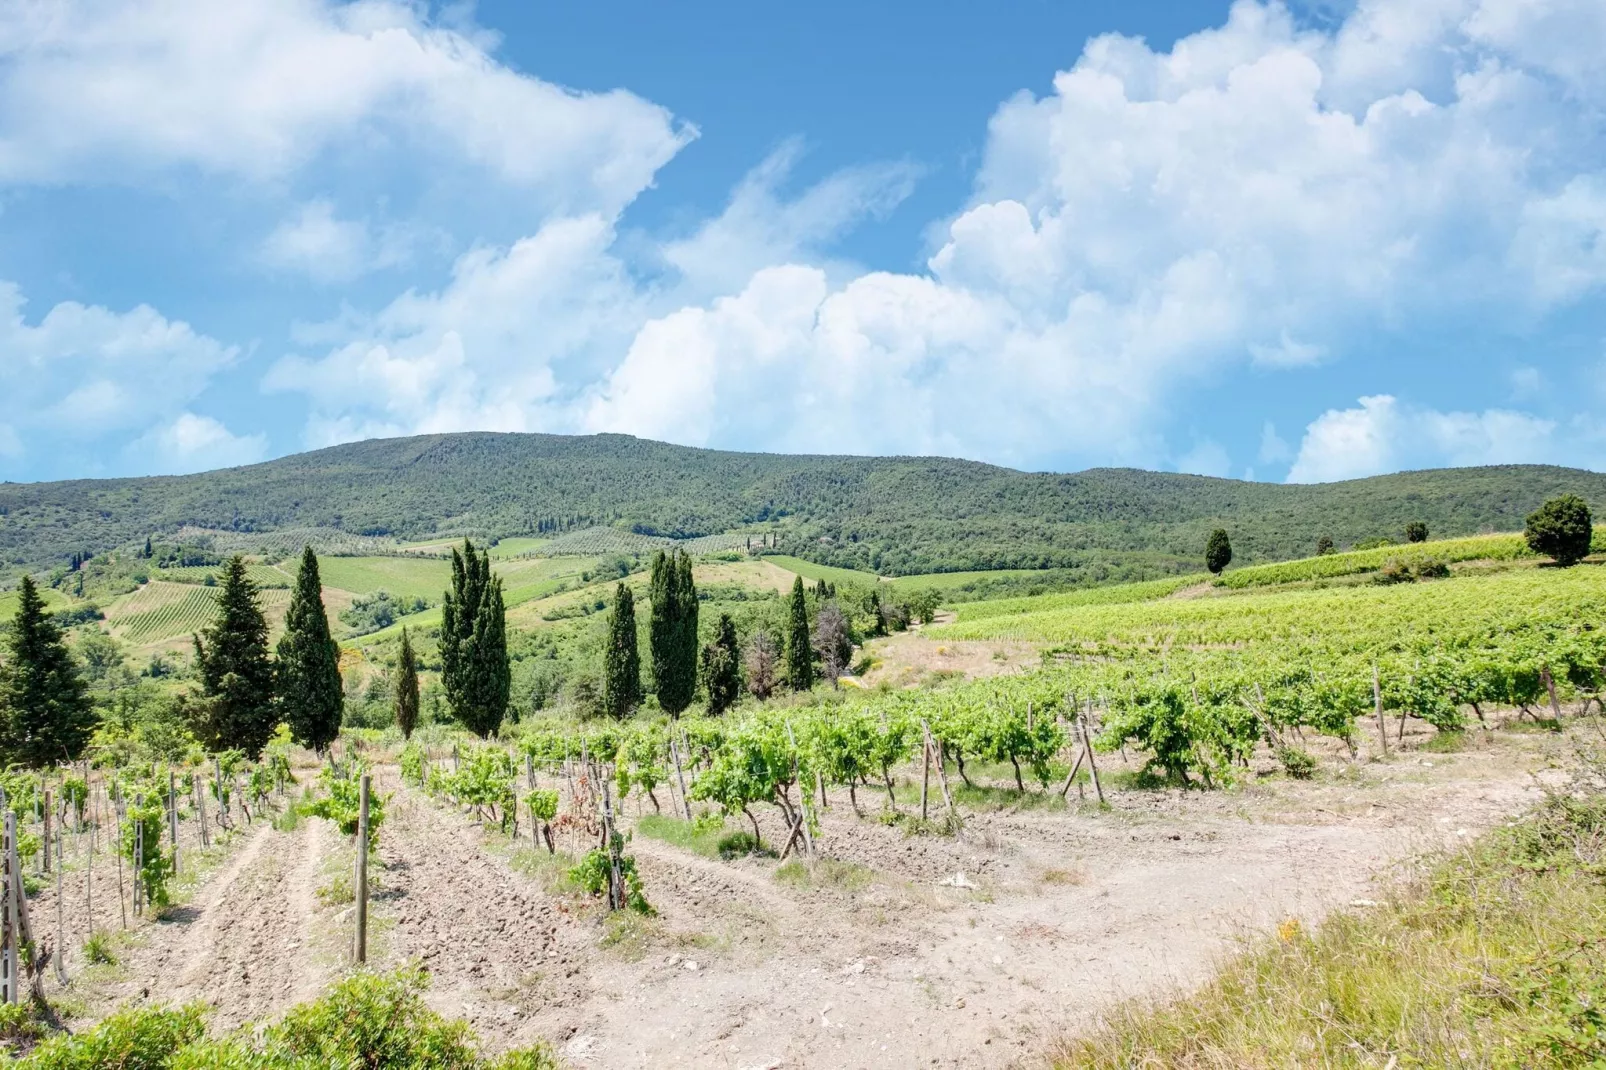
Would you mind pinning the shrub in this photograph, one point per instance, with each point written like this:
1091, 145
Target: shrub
737, 845
1416, 531
1297, 763
1561, 529
1324, 546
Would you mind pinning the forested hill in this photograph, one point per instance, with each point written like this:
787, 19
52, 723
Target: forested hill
894, 515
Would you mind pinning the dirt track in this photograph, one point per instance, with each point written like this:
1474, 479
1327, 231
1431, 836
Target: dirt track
874, 964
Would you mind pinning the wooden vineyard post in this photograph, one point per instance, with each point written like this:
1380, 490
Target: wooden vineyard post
217, 778
44, 818
117, 853
529, 771
1550, 686
362, 871
172, 816
200, 808
1087, 746
942, 773
60, 956
616, 892
1377, 707
456, 762
8, 960
680, 778
1081, 754
139, 861
925, 776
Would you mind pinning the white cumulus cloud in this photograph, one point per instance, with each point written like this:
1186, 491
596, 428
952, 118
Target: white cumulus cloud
83, 373
1383, 435
103, 90
191, 443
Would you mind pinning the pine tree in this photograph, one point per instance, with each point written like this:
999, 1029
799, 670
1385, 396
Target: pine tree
236, 675
621, 683
722, 667
799, 649
406, 687
45, 712
473, 644
307, 668
672, 632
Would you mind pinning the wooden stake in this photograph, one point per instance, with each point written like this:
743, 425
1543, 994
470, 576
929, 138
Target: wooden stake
172, 816
680, 777
61, 926
1377, 705
8, 960
1087, 746
925, 776
44, 817
942, 773
362, 870
1550, 686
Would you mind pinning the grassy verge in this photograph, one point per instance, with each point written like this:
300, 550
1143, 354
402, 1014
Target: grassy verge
1493, 957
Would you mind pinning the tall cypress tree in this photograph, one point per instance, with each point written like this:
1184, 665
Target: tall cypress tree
672, 632
799, 648
307, 669
473, 645
722, 667
236, 675
621, 668
406, 688
45, 712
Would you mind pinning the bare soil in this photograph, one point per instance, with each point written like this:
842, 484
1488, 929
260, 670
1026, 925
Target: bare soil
892, 950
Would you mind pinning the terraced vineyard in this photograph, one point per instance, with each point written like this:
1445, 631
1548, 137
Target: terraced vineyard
288, 541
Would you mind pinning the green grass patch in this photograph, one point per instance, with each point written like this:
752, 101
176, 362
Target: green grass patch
700, 837
406, 577
825, 873
812, 572
1494, 957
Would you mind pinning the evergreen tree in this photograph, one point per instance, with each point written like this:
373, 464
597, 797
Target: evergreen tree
1324, 546
722, 667
621, 671
473, 644
307, 669
406, 687
1562, 528
1416, 531
45, 712
236, 676
1218, 551
148, 549
672, 632
799, 648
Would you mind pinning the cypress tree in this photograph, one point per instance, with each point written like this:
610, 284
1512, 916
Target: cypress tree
672, 631
799, 649
236, 675
473, 645
1218, 551
45, 712
307, 669
722, 667
621, 682
406, 688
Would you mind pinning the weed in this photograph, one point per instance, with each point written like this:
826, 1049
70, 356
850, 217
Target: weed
739, 845
98, 949
701, 836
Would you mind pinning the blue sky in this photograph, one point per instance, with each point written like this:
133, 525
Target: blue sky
1302, 242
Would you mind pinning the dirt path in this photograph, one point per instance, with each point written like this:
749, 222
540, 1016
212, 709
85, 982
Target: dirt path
251, 943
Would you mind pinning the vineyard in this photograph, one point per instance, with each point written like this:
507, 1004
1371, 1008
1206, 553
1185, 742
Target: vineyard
266, 577
162, 611
599, 542
287, 542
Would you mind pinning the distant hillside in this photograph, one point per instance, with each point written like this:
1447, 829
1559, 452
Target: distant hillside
893, 515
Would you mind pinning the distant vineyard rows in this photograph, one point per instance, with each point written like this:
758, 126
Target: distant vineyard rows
289, 541
162, 612
264, 576
595, 542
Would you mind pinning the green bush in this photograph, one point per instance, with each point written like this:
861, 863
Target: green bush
368, 1020
1561, 528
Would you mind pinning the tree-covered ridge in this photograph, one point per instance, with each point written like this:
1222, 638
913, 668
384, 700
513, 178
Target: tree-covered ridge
892, 515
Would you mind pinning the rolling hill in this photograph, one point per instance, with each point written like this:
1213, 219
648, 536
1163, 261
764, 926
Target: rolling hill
890, 515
